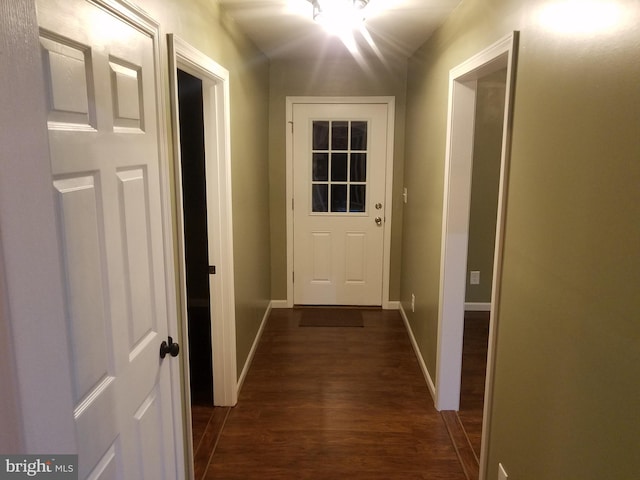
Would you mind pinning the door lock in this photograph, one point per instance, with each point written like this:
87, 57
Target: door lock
171, 348
378, 206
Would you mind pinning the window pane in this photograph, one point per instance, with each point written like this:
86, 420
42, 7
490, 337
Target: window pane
358, 135
320, 198
357, 201
320, 167
338, 167
338, 198
320, 135
358, 167
339, 135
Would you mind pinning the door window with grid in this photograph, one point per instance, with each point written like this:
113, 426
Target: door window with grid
339, 166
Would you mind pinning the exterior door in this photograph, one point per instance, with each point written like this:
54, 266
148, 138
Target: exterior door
339, 164
100, 70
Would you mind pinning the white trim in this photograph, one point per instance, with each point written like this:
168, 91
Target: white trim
455, 225
498, 252
173, 327
256, 342
217, 145
386, 256
279, 304
455, 218
416, 350
392, 305
477, 306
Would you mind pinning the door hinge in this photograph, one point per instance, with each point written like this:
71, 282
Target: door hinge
293, 277
212, 269
292, 204
291, 123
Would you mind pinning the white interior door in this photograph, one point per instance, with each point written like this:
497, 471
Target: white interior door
339, 167
104, 140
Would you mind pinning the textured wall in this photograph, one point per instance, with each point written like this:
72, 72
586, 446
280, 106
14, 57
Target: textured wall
566, 388
487, 149
329, 77
202, 24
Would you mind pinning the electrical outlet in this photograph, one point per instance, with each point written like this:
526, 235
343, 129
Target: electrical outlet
502, 475
413, 303
474, 277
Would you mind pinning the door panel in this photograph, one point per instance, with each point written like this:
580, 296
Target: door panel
355, 259
85, 260
107, 467
339, 165
138, 271
148, 432
321, 252
105, 158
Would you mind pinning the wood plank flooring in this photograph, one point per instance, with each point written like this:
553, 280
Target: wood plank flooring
474, 366
207, 423
329, 402
466, 455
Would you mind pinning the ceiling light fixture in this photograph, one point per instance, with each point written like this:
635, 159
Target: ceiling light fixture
339, 15
582, 17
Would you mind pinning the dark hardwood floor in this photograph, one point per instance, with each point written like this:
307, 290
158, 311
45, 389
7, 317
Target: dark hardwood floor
331, 402
474, 366
207, 423
465, 425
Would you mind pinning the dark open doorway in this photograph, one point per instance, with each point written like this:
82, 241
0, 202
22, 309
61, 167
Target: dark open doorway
192, 152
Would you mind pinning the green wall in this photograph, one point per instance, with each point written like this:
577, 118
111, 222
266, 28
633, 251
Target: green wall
330, 77
202, 24
485, 181
566, 391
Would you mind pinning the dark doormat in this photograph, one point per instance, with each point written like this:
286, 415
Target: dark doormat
331, 317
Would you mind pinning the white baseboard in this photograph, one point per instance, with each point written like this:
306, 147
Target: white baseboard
392, 305
256, 341
416, 349
279, 304
477, 306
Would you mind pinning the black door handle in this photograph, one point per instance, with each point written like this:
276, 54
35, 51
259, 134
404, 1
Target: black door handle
171, 348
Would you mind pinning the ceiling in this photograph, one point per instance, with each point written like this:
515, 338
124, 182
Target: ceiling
285, 28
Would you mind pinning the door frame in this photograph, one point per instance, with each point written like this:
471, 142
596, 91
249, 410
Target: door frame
217, 128
455, 224
386, 258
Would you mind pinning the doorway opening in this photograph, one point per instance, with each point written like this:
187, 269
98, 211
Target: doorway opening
485, 182
463, 96
205, 233
194, 201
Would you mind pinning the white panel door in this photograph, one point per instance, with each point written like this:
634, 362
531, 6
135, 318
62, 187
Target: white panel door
103, 131
339, 165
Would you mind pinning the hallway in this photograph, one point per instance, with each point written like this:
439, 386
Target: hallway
329, 402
